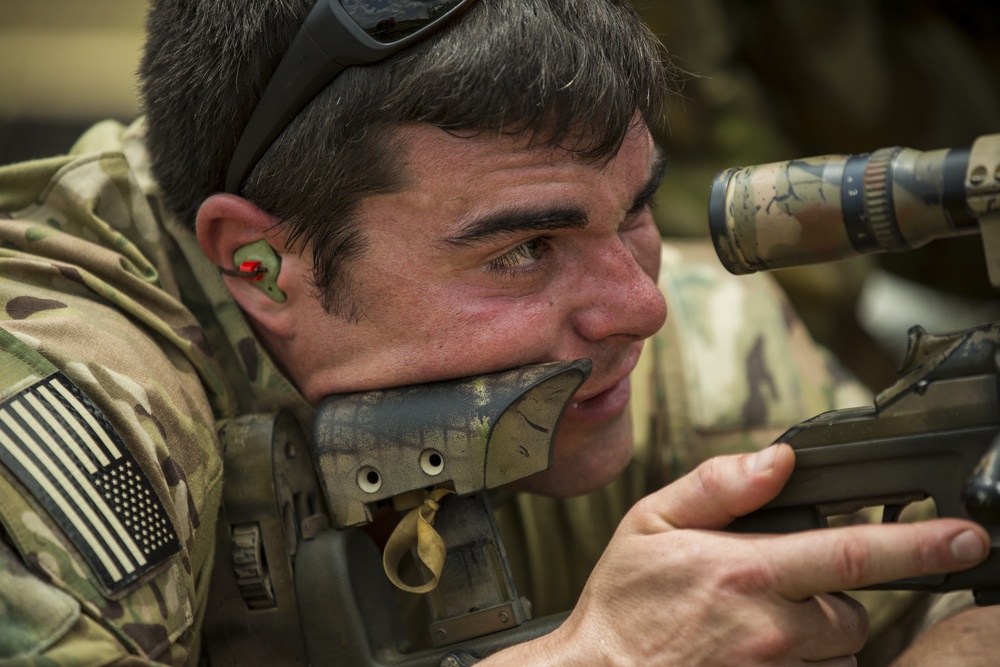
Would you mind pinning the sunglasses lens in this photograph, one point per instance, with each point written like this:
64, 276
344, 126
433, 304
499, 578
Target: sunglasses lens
388, 21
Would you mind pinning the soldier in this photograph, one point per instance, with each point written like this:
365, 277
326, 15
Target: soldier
475, 202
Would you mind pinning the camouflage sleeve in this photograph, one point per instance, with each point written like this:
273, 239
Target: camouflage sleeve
118, 550
110, 474
42, 624
732, 368
102, 512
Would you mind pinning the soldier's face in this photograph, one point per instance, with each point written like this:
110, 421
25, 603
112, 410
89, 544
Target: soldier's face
497, 255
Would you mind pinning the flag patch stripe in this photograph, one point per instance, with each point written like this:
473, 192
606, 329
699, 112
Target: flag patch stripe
60, 446
84, 410
75, 430
60, 433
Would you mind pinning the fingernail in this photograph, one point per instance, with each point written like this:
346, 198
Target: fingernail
968, 547
762, 461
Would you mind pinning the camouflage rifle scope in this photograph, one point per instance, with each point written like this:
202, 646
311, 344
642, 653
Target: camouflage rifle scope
833, 207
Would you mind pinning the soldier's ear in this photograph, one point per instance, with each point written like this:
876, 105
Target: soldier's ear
246, 244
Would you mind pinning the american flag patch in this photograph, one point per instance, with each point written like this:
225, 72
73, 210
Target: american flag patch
60, 446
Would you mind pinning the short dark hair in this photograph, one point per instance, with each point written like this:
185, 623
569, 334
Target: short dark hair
557, 69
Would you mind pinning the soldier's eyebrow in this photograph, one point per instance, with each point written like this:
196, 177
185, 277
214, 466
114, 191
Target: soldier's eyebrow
515, 220
502, 223
657, 172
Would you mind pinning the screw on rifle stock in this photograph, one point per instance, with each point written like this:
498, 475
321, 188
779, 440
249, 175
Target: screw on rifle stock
458, 659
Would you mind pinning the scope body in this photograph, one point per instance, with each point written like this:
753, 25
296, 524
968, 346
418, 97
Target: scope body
832, 207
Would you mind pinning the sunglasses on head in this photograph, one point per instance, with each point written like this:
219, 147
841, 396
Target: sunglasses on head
336, 34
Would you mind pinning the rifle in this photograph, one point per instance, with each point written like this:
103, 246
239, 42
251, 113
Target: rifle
935, 433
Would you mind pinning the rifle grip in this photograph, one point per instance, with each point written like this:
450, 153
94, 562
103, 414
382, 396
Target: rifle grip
779, 520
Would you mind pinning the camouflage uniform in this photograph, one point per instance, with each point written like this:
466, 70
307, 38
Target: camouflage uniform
99, 286
106, 293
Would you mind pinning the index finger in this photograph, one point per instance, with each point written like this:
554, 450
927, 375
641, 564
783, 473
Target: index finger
721, 489
838, 559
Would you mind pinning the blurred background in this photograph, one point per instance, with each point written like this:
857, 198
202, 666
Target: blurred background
778, 79
767, 80
63, 65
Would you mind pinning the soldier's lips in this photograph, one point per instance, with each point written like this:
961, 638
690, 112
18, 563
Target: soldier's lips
603, 406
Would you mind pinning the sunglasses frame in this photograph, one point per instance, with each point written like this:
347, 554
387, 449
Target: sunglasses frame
328, 42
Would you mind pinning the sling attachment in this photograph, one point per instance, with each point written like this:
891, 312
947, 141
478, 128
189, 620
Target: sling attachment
417, 529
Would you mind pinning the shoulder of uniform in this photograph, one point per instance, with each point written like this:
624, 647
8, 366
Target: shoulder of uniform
741, 358
110, 477
64, 451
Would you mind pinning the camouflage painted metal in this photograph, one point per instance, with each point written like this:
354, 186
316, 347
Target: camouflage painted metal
982, 186
932, 434
470, 434
831, 207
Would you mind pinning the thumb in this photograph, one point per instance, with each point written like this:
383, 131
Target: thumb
723, 488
